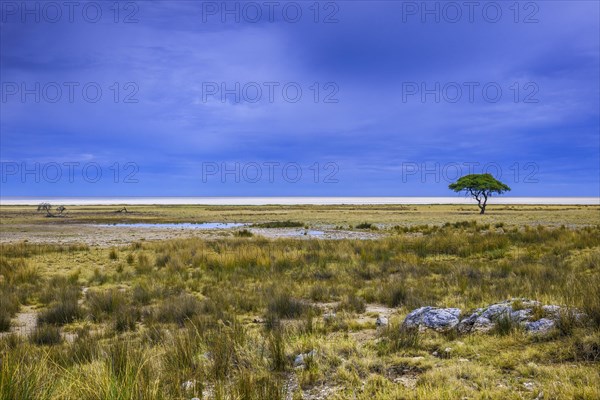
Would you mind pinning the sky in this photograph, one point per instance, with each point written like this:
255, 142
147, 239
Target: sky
331, 98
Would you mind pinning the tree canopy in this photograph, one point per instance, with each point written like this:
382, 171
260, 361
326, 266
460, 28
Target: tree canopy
480, 187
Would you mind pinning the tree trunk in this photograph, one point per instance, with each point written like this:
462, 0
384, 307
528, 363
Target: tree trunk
482, 206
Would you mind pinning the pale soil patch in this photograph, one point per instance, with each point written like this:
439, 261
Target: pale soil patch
23, 323
106, 235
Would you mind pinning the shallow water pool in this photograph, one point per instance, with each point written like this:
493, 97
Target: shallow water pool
183, 225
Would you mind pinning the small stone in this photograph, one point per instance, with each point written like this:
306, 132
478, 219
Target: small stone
439, 319
528, 385
329, 316
483, 324
188, 385
381, 321
300, 359
540, 326
520, 315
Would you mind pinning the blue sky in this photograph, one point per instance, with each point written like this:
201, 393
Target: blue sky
396, 100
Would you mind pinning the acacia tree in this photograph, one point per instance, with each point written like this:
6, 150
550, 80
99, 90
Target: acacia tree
480, 187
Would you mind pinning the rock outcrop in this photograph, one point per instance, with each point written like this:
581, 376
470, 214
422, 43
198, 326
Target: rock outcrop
534, 317
439, 319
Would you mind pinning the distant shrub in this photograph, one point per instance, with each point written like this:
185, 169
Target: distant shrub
366, 225
243, 233
113, 255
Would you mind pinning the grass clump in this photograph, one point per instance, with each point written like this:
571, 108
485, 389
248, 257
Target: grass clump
283, 305
227, 316
113, 254
5, 321
46, 335
104, 303
352, 303
399, 339
505, 325
62, 312
179, 309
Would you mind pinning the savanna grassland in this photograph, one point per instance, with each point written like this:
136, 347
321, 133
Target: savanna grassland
225, 315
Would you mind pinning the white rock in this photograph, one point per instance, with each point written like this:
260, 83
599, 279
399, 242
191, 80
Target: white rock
300, 359
381, 321
439, 319
543, 325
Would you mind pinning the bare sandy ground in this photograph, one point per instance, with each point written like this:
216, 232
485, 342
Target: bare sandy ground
106, 235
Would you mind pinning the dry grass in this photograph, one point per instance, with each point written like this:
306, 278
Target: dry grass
226, 318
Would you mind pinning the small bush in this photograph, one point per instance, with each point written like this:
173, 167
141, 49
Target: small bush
113, 255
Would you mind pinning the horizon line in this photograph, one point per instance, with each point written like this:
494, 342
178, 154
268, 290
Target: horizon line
294, 200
